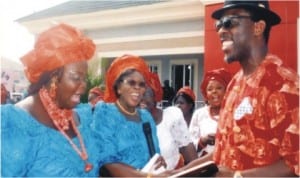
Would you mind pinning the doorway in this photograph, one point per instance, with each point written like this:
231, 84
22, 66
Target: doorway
182, 74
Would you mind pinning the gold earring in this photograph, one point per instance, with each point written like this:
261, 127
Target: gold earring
53, 87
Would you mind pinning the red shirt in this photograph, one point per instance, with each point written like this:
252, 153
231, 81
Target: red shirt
259, 119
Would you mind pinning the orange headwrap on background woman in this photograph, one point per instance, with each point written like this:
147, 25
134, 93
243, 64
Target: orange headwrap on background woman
97, 91
4, 93
56, 47
188, 91
221, 75
119, 66
155, 85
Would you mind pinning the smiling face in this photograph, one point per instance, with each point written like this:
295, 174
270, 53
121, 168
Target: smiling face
215, 92
237, 39
71, 85
131, 90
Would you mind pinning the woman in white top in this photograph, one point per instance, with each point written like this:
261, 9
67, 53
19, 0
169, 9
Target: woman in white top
174, 138
204, 121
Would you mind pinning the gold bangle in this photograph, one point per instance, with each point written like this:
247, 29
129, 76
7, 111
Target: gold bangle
149, 175
237, 174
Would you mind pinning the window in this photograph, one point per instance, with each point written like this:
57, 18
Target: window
155, 66
183, 73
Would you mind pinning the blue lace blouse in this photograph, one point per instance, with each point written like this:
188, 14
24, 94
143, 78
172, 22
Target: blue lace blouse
124, 140
30, 148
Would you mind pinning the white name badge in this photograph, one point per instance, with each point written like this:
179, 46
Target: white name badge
243, 109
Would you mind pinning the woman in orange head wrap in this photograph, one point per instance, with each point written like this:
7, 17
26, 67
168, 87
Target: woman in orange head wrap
174, 138
120, 66
121, 121
185, 100
44, 124
204, 121
95, 95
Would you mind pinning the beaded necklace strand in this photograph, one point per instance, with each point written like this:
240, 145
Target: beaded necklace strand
211, 116
124, 110
61, 119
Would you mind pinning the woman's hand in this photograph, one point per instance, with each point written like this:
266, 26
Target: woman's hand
208, 139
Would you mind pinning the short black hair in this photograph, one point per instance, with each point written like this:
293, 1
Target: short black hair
256, 17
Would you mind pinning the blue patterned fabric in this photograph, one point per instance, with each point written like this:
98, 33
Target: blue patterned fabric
29, 148
124, 140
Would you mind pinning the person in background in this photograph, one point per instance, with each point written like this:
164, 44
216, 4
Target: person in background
120, 120
95, 95
258, 129
4, 94
174, 138
204, 121
42, 135
168, 93
185, 100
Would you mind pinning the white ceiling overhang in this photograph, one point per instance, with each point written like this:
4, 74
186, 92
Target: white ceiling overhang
157, 43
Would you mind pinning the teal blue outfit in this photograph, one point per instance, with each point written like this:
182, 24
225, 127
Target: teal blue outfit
30, 149
124, 140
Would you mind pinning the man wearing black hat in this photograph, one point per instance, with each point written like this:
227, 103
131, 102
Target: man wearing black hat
258, 129
259, 121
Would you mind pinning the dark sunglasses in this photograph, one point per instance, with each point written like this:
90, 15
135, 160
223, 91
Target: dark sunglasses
134, 83
229, 22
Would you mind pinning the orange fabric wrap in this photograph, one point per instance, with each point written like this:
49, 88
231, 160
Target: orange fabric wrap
97, 91
156, 86
119, 66
187, 90
56, 47
4, 93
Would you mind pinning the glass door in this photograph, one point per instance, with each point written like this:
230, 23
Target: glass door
182, 75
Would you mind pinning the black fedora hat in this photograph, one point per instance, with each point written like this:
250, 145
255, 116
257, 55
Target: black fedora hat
260, 9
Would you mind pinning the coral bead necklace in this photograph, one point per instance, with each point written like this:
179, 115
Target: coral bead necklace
61, 119
213, 114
